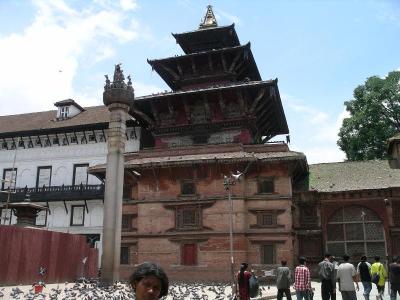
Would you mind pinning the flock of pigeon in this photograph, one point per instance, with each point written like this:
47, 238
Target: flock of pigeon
93, 290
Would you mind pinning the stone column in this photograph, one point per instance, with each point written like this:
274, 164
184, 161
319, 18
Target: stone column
113, 193
117, 96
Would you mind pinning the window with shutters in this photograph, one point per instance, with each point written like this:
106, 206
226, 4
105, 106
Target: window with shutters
268, 254
189, 254
188, 187
266, 186
188, 217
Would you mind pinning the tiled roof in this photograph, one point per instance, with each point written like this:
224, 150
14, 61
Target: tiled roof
47, 120
211, 158
352, 176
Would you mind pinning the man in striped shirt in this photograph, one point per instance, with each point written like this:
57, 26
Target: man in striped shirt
302, 283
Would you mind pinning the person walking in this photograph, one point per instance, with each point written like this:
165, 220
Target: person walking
378, 268
283, 279
243, 278
394, 276
364, 273
347, 276
327, 276
302, 283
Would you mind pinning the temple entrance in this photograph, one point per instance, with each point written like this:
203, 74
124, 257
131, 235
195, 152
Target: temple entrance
355, 230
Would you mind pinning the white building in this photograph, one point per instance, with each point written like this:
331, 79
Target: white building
45, 156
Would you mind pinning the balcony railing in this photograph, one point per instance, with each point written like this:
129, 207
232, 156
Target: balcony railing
56, 193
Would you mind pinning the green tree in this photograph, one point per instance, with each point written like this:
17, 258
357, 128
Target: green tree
374, 118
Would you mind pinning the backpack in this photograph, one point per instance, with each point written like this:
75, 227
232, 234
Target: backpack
254, 286
375, 277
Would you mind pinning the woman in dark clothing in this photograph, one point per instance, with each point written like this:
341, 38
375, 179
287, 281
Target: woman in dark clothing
243, 282
149, 282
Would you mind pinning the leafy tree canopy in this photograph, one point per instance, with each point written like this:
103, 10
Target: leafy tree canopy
374, 118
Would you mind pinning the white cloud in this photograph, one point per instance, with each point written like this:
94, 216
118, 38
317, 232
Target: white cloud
225, 15
313, 132
40, 64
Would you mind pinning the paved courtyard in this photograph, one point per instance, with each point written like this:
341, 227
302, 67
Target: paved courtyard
70, 291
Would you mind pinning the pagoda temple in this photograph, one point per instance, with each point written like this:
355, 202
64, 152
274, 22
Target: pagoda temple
216, 122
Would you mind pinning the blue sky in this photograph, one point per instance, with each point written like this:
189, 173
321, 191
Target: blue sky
319, 50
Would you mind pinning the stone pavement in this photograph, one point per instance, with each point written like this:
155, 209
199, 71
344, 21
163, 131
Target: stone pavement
177, 292
272, 291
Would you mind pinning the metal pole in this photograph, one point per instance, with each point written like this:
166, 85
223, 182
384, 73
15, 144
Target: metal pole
231, 240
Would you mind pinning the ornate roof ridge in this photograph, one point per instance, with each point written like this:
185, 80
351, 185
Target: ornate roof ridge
175, 35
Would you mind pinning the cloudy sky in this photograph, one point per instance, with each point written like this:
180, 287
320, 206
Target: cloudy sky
319, 50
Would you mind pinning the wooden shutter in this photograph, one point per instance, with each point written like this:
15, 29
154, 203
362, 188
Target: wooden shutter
189, 254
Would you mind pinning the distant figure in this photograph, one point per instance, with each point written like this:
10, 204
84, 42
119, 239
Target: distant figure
377, 267
149, 282
327, 277
302, 283
394, 271
347, 275
364, 273
283, 279
243, 278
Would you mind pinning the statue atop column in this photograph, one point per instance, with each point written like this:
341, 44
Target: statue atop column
118, 91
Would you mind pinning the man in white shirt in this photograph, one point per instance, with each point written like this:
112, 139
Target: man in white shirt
347, 276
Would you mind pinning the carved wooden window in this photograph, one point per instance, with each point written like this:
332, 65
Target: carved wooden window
188, 187
56, 141
268, 254
4, 145
21, 144
266, 186
125, 255
396, 212
189, 254
9, 179
188, 217
266, 219
30, 144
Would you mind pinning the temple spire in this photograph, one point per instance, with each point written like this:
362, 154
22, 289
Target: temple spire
209, 19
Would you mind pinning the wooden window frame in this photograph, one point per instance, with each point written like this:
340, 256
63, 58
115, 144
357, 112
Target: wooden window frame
72, 215
45, 220
128, 249
188, 181
129, 226
180, 222
260, 219
184, 259
10, 183
265, 179
74, 173
262, 253
38, 173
